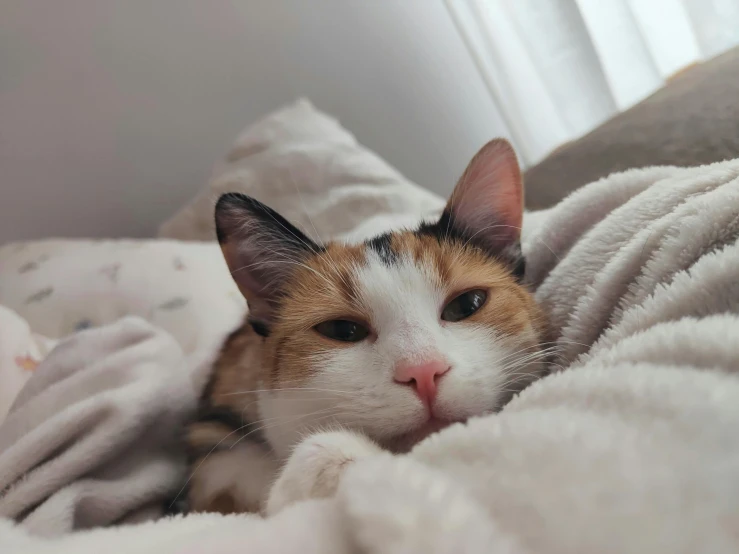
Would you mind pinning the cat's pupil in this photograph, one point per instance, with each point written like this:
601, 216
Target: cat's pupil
464, 305
345, 330
342, 330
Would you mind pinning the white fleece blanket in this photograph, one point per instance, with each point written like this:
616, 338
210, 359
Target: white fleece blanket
632, 449
90, 439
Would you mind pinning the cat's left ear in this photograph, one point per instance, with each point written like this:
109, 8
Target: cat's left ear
487, 203
262, 250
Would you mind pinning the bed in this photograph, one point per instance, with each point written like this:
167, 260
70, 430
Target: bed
629, 446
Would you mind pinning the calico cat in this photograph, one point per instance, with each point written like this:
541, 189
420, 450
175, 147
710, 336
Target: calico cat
391, 339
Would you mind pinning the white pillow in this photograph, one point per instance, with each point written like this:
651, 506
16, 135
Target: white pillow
62, 286
303, 164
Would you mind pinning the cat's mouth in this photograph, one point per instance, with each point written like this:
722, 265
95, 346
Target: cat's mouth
403, 443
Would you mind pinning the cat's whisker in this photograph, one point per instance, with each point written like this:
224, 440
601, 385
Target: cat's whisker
525, 359
517, 376
515, 361
203, 461
300, 264
514, 367
512, 372
246, 407
292, 389
273, 424
562, 341
538, 351
281, 252
315, 425
510, 377
289, 231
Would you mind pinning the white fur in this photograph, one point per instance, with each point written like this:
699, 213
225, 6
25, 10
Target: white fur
246, 472
315, 467
353, 385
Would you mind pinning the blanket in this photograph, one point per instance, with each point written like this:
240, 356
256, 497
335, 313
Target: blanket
91, 439
629, 446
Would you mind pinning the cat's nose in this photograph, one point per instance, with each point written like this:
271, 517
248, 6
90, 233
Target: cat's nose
422, 377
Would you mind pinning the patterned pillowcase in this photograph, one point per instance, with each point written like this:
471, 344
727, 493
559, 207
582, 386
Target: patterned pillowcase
64, 286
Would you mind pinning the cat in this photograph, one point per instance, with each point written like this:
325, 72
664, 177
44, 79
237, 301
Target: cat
390, 340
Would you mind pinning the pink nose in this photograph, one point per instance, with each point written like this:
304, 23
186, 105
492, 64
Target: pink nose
422, 377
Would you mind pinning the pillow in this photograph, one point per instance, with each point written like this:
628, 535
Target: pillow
63, 286
303, 164
691, 121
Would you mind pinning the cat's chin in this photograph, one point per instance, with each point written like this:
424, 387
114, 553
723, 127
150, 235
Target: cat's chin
401, 444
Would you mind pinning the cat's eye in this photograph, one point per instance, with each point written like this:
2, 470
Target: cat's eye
464, 305
342, 330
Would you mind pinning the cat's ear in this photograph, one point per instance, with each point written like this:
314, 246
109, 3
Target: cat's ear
261, 248
487, 202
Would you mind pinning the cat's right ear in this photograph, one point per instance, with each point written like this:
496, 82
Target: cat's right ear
261, 249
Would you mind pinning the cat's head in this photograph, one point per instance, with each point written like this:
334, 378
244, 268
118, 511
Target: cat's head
401, 334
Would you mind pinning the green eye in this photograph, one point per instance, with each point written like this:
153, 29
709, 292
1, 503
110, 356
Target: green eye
464, 305
342, 330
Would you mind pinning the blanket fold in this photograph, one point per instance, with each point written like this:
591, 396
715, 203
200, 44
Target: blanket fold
666, 250
90, 439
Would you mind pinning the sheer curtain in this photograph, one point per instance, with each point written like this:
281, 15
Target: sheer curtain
558, 68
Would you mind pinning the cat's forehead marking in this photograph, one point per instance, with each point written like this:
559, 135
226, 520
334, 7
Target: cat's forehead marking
402, 295
423, 249
382, 245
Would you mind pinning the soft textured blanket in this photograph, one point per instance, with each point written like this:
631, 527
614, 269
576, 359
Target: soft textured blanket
92, 438
633, 449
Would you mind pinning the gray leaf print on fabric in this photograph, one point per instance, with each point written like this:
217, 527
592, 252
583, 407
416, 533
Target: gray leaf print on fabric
40, 295
83, 324
174, 304
33, 265
25, 268
111, 271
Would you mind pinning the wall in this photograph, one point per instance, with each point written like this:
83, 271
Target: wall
112, 112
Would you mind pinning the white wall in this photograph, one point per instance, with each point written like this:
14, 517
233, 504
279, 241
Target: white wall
112, 112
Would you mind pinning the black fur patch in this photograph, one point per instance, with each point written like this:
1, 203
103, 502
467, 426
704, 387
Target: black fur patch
177, 504
231, 420
272, 222
259, 327
519, 269
220, 414
381, 245
444, 230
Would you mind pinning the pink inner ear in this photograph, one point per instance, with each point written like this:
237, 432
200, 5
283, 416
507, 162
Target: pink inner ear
489, 196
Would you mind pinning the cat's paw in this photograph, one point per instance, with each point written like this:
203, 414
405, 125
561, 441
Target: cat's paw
315, 467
